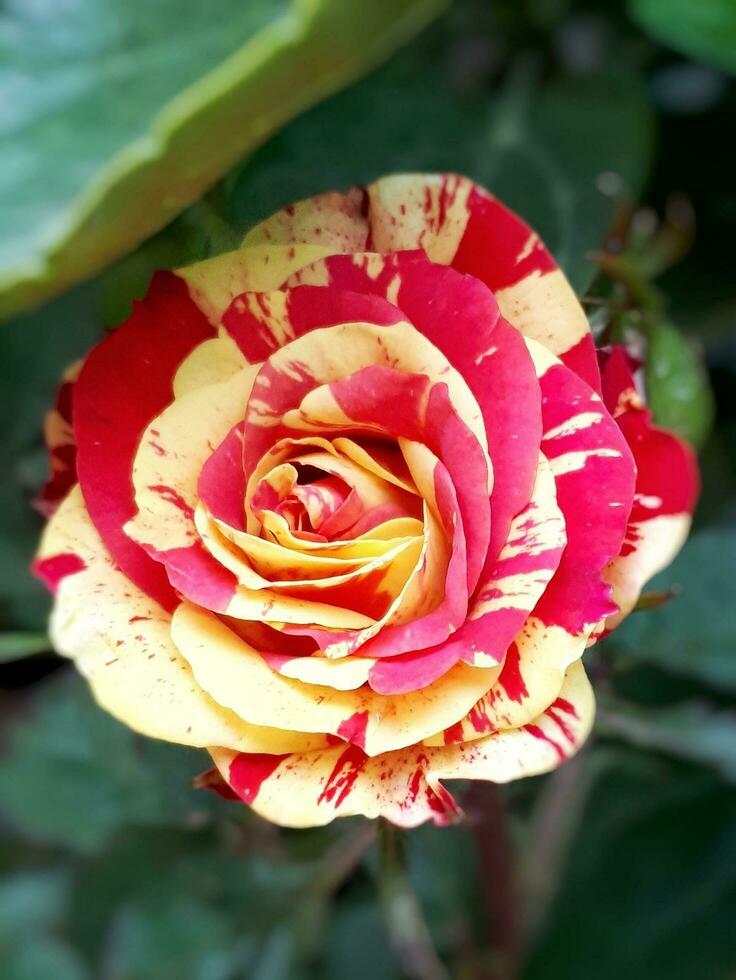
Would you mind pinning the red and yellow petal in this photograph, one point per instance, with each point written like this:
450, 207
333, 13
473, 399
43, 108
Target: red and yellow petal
667, 487
594, 472
61, 445
120, 639
125, 382
405, 787
235, 675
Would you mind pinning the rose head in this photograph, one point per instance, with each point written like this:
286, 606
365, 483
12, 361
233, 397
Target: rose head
347, 505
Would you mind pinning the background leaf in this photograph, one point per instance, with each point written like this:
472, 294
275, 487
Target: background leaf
695, 634
651, 882
524, 144
15, 646
677, 386
692, 730
73, 775
705, 30
119, 114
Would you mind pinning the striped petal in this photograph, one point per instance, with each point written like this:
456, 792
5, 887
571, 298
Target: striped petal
594, 472
61, 445
312, 788
120, 639
235, 675
458, 223
667, 486
126, 382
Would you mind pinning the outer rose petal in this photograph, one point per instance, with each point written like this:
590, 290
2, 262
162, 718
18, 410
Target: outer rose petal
336, 221
530, 678
667, 487
213, 361
460, 224
594, 472
120, 640
61, 444
456, 223
311, 789
124, 383
214, 283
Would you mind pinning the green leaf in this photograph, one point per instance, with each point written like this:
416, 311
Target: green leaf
651, 882
706, 30
73, 775
31, 900
691, 730
351, 919
695, 634
16, 646
42, 956
173, 936
540, 146
677, 386
122, 114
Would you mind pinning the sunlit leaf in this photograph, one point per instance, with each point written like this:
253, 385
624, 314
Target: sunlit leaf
119, 115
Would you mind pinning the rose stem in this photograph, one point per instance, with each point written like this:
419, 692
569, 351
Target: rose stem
486, 811
407, 929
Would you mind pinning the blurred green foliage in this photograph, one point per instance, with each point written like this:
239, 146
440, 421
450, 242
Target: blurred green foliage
705, 30
111, 866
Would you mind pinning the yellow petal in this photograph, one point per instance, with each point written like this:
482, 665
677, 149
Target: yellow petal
657, 542
336, 221
427, 211
237, 677
213, 361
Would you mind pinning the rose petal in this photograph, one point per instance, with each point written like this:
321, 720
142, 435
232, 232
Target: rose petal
124, 383
237, 677
120, 640
594, 472
61, 445
311, 789
667, 486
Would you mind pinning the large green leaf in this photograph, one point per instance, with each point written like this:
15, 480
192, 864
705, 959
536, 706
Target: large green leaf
705, 30
119, 114
695, 633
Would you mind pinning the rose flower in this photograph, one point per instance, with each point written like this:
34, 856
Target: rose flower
347, 505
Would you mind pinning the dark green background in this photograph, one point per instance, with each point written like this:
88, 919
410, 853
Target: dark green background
111, 867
